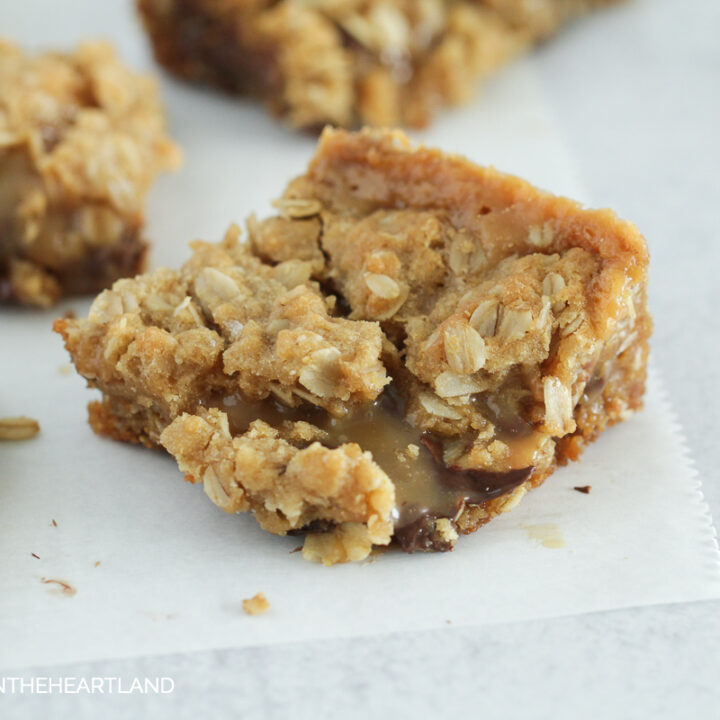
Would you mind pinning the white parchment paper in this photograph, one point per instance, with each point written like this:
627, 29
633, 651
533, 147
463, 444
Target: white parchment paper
173, 569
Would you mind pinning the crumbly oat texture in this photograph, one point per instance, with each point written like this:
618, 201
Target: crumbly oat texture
405, 350
81, 140
350, 62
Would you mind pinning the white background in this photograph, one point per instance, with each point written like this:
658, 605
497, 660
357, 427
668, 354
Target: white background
635, 92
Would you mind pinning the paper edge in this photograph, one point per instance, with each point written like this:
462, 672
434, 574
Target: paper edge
708, 526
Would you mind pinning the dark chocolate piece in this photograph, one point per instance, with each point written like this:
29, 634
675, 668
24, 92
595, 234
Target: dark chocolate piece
418, 535
486, 483
316, 526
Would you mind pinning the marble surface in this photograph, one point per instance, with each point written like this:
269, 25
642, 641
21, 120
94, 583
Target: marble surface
642, 120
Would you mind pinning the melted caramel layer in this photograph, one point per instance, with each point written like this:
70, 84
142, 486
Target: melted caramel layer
425, 488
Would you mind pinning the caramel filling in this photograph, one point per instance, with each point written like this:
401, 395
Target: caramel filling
425, 488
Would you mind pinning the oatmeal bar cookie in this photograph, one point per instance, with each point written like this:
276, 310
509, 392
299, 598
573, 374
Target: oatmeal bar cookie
405, 350
350, 62
81, 141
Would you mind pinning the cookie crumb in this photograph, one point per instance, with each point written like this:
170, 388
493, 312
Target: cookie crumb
64, 588
256, 605
585, 489
97, 563
18, 428
64, 369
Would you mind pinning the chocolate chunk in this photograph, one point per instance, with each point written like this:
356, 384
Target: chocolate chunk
484, 484
420, 535
460, 486
316, 526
